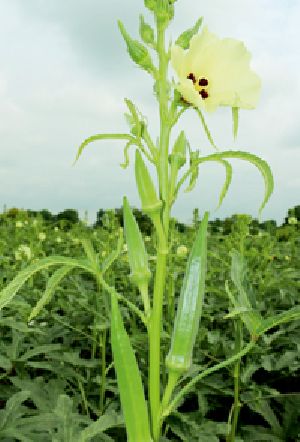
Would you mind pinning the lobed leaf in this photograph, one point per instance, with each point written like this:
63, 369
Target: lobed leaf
7, 294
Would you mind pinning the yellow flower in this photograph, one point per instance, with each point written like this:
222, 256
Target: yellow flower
215, 72
182, 251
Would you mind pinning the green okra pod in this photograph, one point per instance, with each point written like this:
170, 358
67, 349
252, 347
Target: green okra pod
146, 189
178, 155
131, 390
137, 255
189, 306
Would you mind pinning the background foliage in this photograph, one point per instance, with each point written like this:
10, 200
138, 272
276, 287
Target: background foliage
57, 377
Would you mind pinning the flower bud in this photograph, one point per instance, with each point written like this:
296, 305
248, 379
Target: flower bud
137, 51
138, 259
146, 189
184, 39
146, 32
178, 155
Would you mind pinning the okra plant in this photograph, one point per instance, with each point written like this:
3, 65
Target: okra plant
211, 72
208, 72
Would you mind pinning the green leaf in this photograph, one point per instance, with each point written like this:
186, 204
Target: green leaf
8, 414
39, 350
235, 121
194, 167
292, 314
109, 260
250, 317
228, 179
206, 130
52, 283
103, 423
261, 165
101, 137
129, 379
184, 39
7, 294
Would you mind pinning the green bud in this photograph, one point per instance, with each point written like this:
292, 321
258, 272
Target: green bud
150, 4
164, 11
146, 32
137, 255
178, 155
146, 189
184, 39
137, 51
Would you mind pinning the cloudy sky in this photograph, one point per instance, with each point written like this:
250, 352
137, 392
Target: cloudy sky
64, 73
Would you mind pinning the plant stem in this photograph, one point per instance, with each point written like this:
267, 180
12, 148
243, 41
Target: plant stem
205, 373
103, 370
154, 343
162, 228
236, 376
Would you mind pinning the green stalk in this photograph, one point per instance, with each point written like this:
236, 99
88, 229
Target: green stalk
103, 371
236, 376
184, 390
154, 344
161, 263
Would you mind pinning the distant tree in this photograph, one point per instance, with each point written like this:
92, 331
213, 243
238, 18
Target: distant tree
70, 215
99, 218
269, 226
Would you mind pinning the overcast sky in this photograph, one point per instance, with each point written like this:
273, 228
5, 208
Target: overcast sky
64, 73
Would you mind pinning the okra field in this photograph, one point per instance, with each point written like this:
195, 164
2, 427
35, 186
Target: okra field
57, 374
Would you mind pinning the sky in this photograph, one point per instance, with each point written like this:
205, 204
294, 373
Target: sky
64, 74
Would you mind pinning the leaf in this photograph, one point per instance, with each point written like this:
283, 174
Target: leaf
7, 294
113, 255
103, 423
184, 39
129, 379
8, 414
206, 130
194, 157
290, 315
100, 137
52, 283
251, 318
228, 179
40, 349
235, 121
262, 166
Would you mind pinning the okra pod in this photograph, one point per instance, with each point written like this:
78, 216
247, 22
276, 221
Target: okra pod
131, 390
137, 255
146, 189
189, 308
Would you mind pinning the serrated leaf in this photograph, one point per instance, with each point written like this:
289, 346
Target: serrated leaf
52, 284
40, 349
261, 165
99, 137
7, 294
228, 179
292, 314
103, 423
